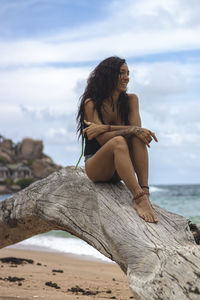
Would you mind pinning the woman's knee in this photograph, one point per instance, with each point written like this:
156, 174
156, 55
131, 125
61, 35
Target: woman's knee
119, 143
134, 140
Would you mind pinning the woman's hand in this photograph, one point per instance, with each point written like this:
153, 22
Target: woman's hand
144, 135
93, 130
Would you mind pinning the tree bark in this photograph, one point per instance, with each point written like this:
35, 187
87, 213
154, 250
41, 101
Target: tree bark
161, 260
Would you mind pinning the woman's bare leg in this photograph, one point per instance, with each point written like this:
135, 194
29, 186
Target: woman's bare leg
115, 156
139, 157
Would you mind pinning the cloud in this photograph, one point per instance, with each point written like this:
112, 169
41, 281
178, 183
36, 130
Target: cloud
40, 85
179, 139
166, 89
60, 135
48, 115
148, 27
156, 14
161, 79
74, 148
128, 44
52, 133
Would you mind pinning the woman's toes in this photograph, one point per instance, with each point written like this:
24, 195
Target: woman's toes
155, 220
143, 217
148, 219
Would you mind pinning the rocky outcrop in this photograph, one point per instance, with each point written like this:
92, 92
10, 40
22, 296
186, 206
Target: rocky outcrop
43, 167
6, 144
5, 156
6, 150
29, 149
23, 160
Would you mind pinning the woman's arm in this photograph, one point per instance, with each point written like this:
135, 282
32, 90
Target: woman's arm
100, 131
134, 114
134, 119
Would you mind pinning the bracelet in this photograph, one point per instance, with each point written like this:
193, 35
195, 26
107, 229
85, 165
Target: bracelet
108, 128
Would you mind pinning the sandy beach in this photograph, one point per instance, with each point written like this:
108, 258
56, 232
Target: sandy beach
57, 276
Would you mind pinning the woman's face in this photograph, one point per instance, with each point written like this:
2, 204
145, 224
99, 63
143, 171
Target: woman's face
123, 78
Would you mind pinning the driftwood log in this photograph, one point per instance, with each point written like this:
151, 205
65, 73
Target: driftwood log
161, 260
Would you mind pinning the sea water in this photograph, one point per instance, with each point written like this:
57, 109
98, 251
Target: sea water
180, 199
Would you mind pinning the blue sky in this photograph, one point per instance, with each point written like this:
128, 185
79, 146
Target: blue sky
48, 48
24, 18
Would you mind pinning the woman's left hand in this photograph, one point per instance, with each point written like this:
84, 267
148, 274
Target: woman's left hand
145, 135
93, 130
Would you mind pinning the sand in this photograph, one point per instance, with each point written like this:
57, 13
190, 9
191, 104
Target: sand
76, 278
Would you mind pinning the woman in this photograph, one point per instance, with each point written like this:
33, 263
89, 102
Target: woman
115, 142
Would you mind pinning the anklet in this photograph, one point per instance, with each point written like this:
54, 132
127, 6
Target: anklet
145, 186
141, 194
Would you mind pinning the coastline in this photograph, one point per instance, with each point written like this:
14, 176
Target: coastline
74, 277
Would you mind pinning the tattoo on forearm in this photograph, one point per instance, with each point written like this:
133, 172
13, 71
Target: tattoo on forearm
124, 132
127, 132
138, 131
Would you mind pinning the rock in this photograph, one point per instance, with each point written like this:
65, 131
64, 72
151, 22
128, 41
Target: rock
77, 289
4, 189
23, 160
15, 188
31, 149
41, 168
6, 144
52, 284
14, 278
57, 271
16, 260
5, 157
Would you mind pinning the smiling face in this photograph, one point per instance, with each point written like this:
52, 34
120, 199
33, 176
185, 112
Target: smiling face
123, 78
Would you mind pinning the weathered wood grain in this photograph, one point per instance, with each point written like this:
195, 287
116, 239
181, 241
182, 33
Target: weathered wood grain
161, 260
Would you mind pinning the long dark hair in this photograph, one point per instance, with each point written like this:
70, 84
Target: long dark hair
100, 85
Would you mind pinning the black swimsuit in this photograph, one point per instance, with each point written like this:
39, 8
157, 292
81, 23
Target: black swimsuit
92, 146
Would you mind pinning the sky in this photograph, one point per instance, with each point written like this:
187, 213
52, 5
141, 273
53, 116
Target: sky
49, 47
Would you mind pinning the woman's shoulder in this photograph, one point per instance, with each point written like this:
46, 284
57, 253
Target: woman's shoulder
89, 106
133, 100
89, 103
88, 100
132, 97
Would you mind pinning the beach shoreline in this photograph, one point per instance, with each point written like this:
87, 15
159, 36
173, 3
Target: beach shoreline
57, 276
36, 248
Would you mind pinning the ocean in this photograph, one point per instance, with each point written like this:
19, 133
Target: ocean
180, 199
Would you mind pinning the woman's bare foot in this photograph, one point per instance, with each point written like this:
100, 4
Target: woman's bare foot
144, 209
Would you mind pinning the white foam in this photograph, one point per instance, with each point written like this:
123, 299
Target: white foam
65, 245
156, 189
